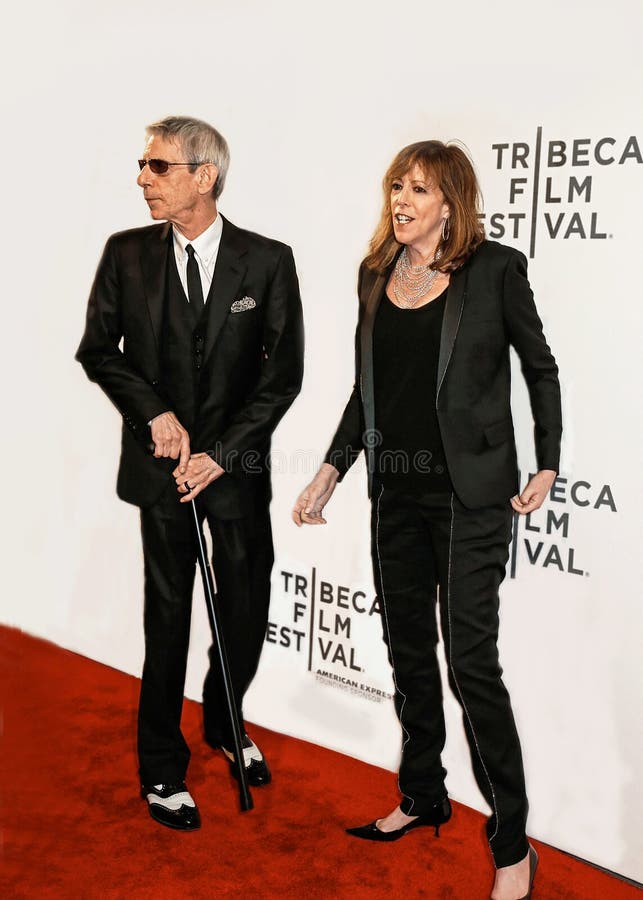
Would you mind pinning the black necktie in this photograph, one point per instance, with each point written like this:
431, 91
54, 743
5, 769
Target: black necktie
195, 290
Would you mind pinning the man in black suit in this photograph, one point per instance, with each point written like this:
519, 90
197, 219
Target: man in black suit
212, 356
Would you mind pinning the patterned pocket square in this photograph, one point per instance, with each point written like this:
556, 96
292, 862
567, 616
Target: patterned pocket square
242, 305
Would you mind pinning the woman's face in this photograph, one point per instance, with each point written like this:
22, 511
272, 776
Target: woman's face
417, 207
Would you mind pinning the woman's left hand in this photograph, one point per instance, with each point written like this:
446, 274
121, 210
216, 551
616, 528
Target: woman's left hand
534, 493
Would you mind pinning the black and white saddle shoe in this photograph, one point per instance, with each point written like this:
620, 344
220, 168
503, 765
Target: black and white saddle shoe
257, 771
172, 805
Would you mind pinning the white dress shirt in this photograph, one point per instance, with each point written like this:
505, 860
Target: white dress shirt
206, 249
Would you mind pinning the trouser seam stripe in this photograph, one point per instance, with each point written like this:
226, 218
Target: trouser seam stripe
455, 680
390, 643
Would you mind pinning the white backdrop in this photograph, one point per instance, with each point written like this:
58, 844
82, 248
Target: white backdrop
314, 103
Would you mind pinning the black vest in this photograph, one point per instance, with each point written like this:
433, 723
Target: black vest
182, 343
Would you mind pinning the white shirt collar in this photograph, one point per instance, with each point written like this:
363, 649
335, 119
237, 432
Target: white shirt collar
206, 245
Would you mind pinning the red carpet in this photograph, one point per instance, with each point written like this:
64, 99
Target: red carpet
74, 827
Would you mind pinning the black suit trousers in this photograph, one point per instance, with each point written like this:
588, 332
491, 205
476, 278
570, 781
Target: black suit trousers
242, 558
425, 547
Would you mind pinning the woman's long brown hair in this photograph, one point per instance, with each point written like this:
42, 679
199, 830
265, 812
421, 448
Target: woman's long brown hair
449, 168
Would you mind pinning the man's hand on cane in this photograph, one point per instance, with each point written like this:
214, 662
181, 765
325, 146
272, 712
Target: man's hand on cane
170, 439
200, 471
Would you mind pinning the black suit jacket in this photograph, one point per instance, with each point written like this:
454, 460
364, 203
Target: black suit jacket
252, 360
489, 307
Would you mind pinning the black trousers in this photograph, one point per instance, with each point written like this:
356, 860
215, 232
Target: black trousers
242, 562
427, 546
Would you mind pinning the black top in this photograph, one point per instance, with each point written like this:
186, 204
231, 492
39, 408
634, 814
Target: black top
489, 308
406, 346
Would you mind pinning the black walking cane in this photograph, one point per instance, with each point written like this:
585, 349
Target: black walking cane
213, 614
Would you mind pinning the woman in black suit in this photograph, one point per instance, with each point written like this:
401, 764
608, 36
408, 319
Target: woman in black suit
439, 309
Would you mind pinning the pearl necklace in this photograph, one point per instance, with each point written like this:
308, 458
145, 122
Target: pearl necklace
411, 283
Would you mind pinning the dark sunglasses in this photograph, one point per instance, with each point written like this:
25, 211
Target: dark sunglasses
161, 166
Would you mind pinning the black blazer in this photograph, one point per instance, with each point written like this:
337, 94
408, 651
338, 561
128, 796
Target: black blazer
252, 360
489, 307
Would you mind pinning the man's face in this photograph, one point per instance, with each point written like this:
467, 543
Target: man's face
174, 195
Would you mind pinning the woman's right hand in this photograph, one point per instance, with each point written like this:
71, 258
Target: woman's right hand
312, 500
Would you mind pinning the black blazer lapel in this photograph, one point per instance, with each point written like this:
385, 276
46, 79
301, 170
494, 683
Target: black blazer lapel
228, 272
153, 259
456, 294
367, 391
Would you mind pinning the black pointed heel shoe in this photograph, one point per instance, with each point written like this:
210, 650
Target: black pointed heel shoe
437, 815
533, 862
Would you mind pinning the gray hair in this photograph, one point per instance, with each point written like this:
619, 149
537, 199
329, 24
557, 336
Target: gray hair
200, 142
